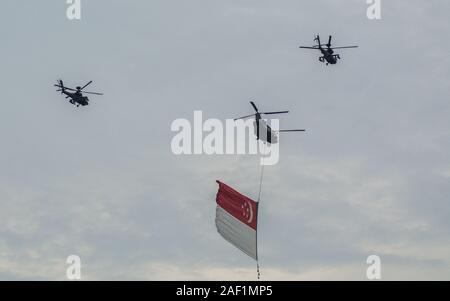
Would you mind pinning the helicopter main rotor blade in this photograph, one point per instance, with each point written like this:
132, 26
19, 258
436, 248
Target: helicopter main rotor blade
273, 113
345, 47
285, 131
65, 88
244, 117
95, 93
254, 106
314, 47
329, 41
86, 85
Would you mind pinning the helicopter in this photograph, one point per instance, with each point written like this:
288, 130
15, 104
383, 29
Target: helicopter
328, 53
75, 98
261, 126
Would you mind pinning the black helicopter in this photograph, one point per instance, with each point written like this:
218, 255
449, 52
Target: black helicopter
75, 98
261, 126
328, 53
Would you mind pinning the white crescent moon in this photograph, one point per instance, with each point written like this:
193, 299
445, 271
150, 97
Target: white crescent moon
251, 212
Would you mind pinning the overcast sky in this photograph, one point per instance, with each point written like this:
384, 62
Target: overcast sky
370, 176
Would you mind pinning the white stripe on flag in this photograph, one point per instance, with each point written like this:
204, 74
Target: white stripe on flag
237, 233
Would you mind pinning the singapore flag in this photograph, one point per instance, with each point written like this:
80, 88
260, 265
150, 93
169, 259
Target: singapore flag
236, 219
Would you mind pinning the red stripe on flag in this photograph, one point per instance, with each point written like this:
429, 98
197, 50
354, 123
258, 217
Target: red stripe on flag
238, 205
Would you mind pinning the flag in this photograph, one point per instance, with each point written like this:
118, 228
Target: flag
236, 219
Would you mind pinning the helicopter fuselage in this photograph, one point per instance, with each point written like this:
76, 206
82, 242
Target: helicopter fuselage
263, 131
328, 56
77, 98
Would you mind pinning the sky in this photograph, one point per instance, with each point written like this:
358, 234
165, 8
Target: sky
369, 177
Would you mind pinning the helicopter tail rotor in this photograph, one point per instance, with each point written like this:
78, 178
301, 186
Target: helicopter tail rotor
60, 85
317, 39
